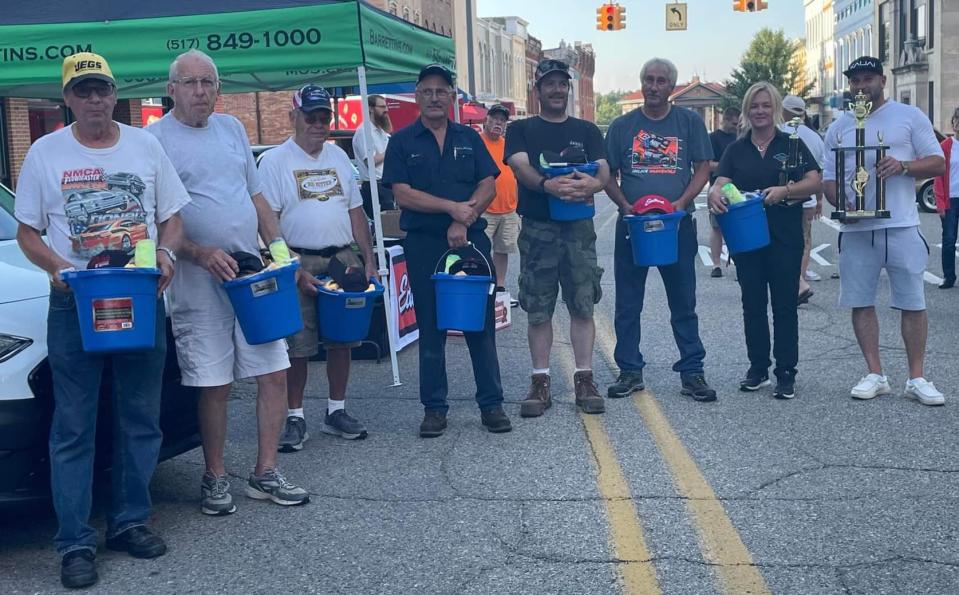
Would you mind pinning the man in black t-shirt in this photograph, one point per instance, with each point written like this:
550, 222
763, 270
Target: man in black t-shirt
720, 139
555, 252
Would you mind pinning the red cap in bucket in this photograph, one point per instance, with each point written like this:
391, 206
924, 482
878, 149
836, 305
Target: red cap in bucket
652, 204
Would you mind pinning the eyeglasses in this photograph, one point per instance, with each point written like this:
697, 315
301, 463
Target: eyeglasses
318, 117
205, 83
437, 93
85, 91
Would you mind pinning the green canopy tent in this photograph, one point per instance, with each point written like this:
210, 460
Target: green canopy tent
258, 45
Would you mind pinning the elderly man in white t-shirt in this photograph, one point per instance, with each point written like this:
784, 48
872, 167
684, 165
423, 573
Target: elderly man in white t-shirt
896, 244
211, 153
61, 175
309, 182
795, 107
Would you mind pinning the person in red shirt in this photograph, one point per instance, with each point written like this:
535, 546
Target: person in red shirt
502, 220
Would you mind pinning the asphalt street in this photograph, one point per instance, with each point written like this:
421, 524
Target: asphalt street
821, 494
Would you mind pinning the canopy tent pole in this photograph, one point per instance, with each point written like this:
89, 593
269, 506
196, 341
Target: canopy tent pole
378, 222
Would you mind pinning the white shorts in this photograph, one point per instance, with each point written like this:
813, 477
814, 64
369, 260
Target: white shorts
902, 251
211, 348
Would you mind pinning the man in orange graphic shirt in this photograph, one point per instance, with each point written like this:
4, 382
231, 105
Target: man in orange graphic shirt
503, 222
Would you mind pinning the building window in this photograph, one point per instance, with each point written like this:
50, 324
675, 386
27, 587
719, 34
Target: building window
932, 101
885, 31
931, 34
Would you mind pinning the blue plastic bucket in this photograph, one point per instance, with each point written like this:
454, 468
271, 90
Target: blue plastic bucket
655, 238
461, 301
564, 210
116, 308
345, 315
266, 304
744, 226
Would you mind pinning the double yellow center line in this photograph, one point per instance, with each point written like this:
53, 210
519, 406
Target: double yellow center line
720, 543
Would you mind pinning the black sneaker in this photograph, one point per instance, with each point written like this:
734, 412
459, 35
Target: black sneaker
496, 421
78, 569
627, 383
342, 424
785, 386
294, 434
139, 542
717, 272
433, 425
695, 386
947, 284
754, 381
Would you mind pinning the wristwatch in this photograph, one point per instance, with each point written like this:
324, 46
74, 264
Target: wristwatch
168, 253
905, 167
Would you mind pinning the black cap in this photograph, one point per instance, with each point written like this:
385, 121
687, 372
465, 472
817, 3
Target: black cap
550, 65
311, 98
498, 108
438, 70
864, 64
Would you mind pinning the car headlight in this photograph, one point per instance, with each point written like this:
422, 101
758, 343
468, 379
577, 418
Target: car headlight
10, 345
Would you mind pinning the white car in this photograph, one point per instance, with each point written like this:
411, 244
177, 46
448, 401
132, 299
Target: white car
26, 392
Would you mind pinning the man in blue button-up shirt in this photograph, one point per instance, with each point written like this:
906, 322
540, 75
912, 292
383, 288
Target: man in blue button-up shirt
443, 179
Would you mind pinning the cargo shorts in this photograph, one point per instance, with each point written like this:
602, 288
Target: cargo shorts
306, 343
556, 254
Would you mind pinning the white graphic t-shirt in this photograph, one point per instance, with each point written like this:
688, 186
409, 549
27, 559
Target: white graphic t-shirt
91, 200
312, 195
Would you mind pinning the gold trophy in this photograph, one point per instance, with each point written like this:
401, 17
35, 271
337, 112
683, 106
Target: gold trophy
860, 109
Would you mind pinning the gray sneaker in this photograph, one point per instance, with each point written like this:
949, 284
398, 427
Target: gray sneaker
215, 498
294, 434
273, 486
342, 424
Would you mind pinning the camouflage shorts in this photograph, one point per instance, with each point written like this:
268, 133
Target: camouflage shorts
558, 254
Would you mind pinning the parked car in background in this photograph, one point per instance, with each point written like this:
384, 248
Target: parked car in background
26, 388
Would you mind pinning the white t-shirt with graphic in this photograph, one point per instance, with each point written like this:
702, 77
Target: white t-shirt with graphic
909, 135
90, 200
312, 195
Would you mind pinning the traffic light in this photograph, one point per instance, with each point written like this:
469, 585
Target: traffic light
749, 5
610, 17
605, 17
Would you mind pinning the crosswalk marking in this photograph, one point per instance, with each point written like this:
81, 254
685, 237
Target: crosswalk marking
814, 254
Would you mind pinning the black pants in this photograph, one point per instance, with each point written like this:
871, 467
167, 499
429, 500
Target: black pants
771, 274
386, 198
423, 250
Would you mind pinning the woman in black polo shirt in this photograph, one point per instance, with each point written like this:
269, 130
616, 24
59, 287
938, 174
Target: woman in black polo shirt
754, 162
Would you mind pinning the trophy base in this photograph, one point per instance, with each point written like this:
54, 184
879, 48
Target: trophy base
857, 215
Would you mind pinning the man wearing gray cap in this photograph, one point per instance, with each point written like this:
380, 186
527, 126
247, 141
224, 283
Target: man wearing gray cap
795, 107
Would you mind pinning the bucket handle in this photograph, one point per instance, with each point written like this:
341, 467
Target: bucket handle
439, 263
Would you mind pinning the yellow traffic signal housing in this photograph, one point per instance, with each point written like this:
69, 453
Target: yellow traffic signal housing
606, 17
761, 5
619, 20
749, 5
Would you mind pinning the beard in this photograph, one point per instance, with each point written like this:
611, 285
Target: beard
383, 122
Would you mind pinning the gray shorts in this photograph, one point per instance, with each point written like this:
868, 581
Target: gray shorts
902, 251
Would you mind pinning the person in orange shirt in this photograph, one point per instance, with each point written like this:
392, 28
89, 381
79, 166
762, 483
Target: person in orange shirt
502, 221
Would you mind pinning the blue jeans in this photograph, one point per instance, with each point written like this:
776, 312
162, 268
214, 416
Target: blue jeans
137, 380
679, 280
950, 225
423, 250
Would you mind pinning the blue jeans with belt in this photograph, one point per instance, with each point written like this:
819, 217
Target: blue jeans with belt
679, 280
135, 403
423, 249
950, 225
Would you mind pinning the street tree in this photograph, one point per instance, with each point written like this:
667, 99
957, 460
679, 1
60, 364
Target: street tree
606, 107
771, 57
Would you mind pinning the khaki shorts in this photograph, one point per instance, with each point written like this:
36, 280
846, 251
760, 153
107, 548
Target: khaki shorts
306, 343
503, 231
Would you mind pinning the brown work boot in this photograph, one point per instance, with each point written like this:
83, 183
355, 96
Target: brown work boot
587, 394
537, 399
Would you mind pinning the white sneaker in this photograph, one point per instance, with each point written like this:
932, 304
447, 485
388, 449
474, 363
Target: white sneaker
924, 391
812, 275
870, 387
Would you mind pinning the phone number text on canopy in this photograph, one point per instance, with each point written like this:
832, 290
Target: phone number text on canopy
245, 40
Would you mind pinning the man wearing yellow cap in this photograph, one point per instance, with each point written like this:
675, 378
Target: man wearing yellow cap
68, 188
